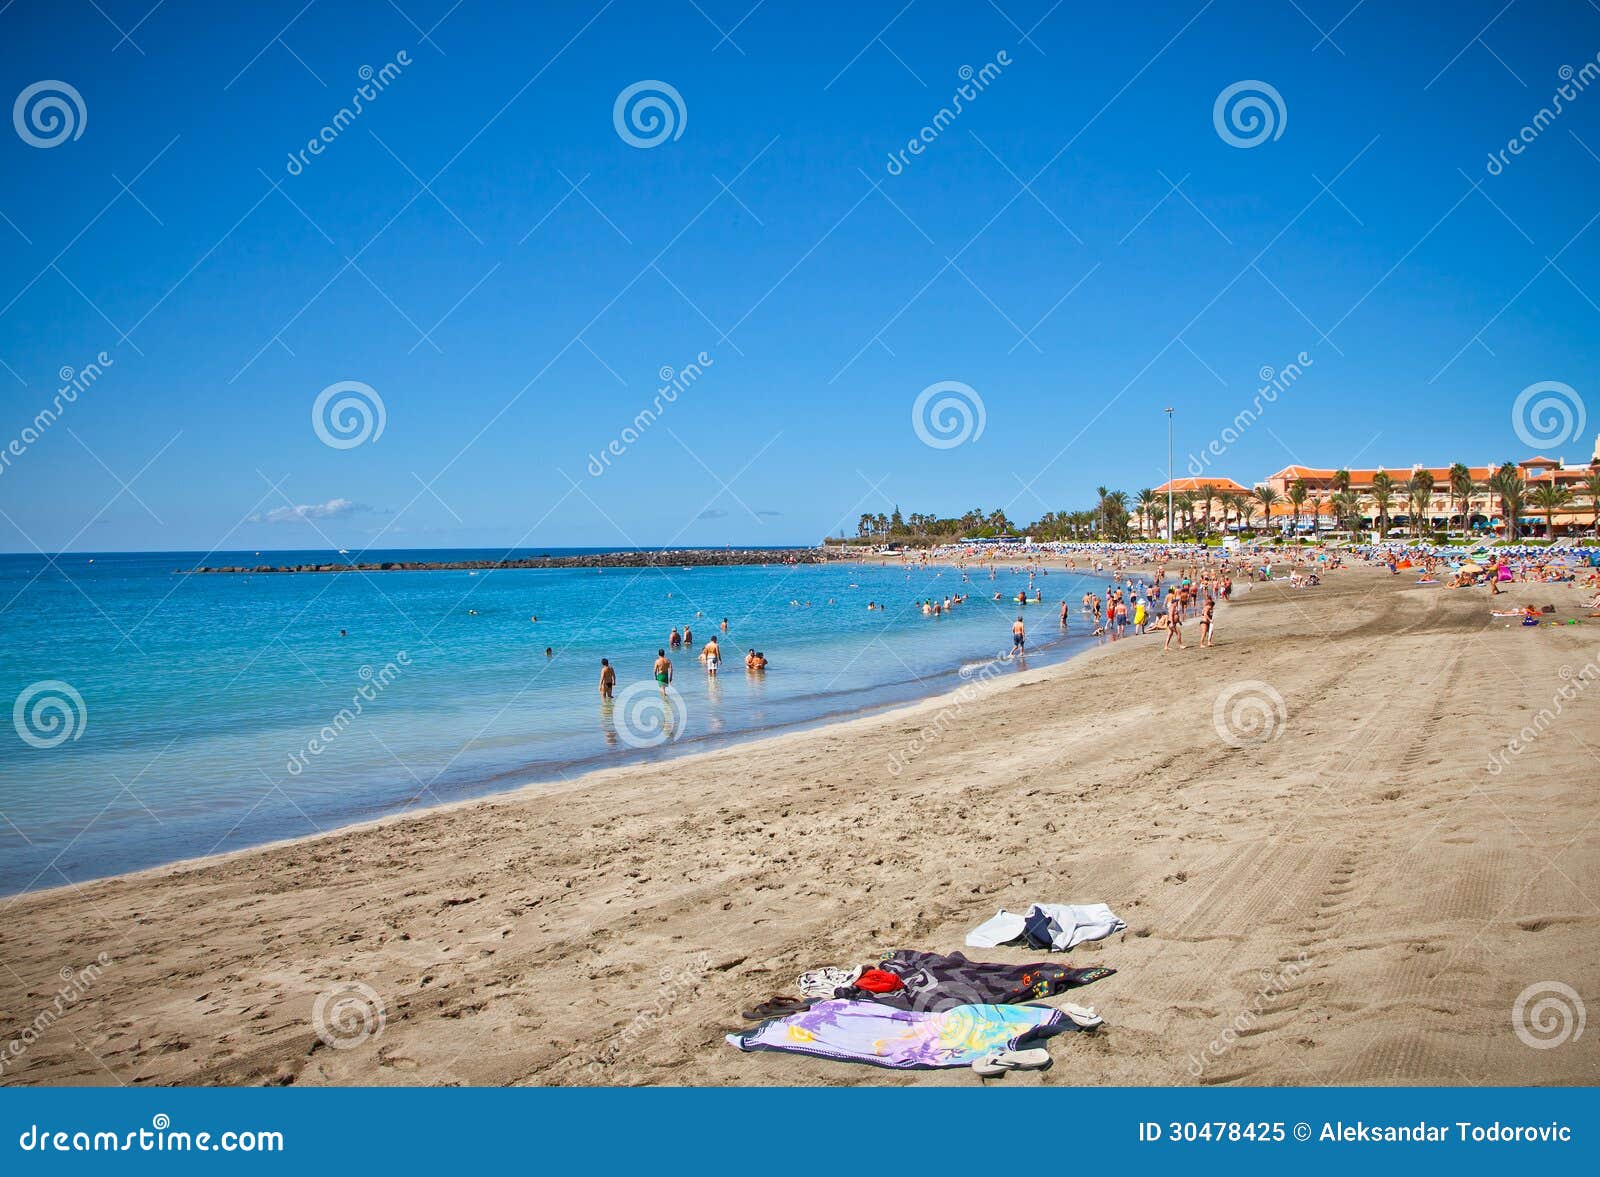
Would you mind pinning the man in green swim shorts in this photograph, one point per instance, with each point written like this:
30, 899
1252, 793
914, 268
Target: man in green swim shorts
663, 670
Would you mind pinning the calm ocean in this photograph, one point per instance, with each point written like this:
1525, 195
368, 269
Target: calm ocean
204, 699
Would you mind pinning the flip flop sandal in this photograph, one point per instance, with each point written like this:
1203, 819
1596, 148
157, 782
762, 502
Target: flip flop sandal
777, 1007
1082, 1015
1034, 1059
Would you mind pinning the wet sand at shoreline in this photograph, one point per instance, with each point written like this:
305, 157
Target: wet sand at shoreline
1357, 900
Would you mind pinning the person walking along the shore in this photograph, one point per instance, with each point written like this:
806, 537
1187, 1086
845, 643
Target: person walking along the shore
1174, 621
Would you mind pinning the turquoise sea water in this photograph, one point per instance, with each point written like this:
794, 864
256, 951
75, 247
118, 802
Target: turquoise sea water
206, 701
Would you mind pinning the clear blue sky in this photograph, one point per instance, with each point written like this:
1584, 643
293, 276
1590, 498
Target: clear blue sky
825, 305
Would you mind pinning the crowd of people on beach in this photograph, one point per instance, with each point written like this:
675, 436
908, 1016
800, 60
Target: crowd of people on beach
1157, 588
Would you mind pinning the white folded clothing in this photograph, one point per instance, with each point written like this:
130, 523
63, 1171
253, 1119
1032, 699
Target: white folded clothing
1002, 929
1067, 925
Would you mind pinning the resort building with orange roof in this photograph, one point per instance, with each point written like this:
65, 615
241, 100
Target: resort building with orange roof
1465, 502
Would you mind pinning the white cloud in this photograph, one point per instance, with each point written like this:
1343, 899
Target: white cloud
311, 512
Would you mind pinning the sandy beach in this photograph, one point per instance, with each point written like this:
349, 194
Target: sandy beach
1356, 900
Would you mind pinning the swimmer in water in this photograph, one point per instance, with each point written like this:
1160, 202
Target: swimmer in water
608, 678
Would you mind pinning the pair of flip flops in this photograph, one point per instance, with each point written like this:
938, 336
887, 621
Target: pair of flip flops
990, 1066
1035, 1058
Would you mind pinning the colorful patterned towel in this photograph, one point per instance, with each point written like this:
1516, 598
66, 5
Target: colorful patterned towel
937, 982
867, 1032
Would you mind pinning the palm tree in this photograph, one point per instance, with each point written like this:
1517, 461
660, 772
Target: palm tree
1185, 506
1550, 499
1347, 508
1591, 487
1460, 484
1317, 499
1341, 480
1102, 493
1116, 509
1297, 499
1227, 500
1207, 495
1246, 505
1149, 500
1419, 490
1507, 482
1382, 496
1266, 496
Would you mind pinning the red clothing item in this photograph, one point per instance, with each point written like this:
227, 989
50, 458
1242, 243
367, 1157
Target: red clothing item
879, 981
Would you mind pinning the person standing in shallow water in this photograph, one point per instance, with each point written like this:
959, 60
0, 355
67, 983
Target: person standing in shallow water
663, 670
608, 679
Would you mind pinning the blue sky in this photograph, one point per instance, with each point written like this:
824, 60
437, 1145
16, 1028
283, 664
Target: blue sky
1080, 246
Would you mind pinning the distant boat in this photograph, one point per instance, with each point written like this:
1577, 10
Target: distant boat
344, 551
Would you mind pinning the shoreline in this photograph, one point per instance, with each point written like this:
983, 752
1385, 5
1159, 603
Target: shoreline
590, 774
842, 706
1350, 890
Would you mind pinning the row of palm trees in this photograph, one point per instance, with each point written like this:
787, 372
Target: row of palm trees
1200, 511
1192, 510
1506, 487
1349, 509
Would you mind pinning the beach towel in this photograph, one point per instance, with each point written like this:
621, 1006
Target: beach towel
932, 981
867, 1032
1054, 926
